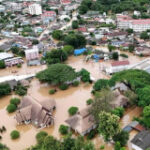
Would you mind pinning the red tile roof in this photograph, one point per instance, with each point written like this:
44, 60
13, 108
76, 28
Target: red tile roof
139, 127
82, 29
120, 63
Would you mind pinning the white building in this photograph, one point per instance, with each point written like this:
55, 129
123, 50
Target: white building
35, 9
117, 66
138, 25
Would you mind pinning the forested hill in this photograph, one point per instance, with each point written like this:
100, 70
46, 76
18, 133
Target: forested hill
115, 6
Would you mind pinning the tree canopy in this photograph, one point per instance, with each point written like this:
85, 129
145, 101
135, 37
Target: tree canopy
4, 89
108, 125
76, 40
57, 74
103, 102
65, 143
56, 56
57, 34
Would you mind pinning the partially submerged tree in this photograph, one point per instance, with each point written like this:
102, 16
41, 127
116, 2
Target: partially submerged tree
57, 74
55, 56
122, 137
108, 125
103, 102
4, 89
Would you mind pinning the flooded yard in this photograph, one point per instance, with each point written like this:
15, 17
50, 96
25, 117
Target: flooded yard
74, 96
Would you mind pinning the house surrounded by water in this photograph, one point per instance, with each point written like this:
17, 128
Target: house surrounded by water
39, 113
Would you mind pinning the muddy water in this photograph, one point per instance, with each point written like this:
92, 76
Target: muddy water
95, 68
21, 71
74, 96
127, 118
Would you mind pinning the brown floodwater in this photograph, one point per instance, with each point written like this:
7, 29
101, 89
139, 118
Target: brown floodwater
74, 96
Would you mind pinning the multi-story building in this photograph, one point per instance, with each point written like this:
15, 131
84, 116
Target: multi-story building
35, 9
138, 25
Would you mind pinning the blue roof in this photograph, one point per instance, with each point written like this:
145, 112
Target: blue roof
79, 51
127, 128
95, 56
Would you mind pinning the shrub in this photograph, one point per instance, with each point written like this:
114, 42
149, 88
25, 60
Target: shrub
63, 87
21, 90
11, 108
15, 134
19, 65
89, 101
75, 83
72, 110
102, 147
63, 129
124, 55
41, 136
52, 91
15, 101
85, 75
2, 64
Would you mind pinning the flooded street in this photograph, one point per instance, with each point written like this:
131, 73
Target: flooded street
74, 96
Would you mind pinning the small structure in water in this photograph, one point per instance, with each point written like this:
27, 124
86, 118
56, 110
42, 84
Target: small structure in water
39, 113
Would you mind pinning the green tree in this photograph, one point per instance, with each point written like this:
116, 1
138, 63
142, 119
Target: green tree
144, 96
40, 137
111, 48
129, 31
15, 101
117, 146
14, 134
56, 56
72, 110
144, 35
119, 111
63, 129
4, 89
75, 24
57, 34
11, 108
108, 125
100, 84
76, 40
85, 75
146, 116
57, 74
50, 143
122, 137
35, 42
68, 49
115, 55
2, 64
131, 48
3, 147
103, 102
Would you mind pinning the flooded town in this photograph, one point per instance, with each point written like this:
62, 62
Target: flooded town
74, 75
